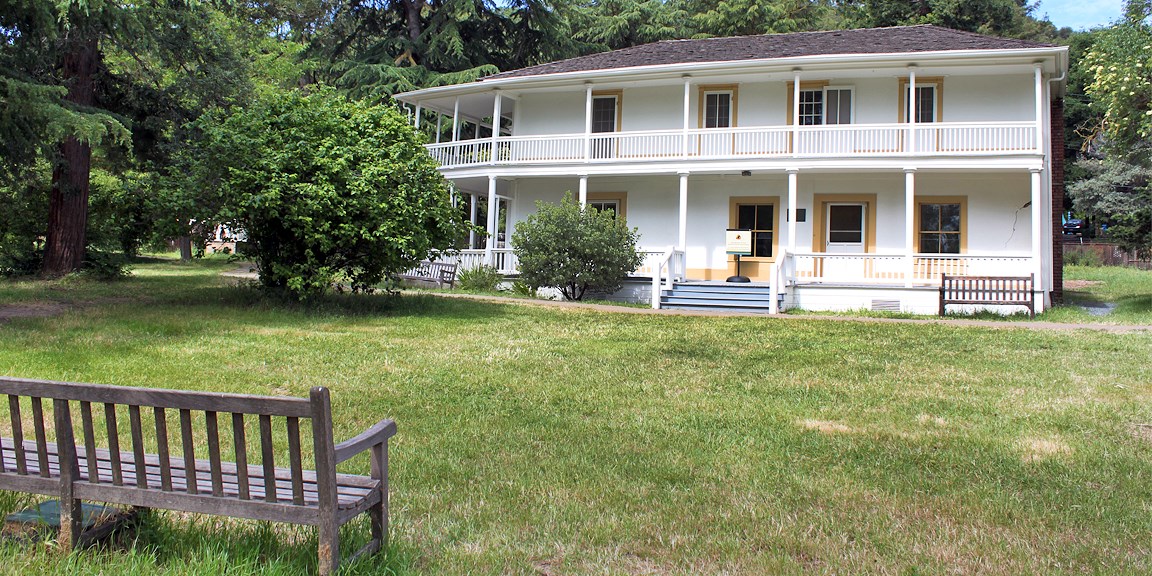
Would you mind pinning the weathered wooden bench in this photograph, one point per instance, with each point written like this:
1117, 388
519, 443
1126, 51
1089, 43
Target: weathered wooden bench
997, 290
438, 273
102, 460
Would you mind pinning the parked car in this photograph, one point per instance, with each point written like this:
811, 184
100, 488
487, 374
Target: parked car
1078, 227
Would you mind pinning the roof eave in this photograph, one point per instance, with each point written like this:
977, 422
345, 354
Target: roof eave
686, 68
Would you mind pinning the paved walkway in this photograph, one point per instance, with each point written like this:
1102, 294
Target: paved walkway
1006, 324
244, 272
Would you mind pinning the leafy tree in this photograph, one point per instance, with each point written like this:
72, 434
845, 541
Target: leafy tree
748, 17
575, 249
1120, 61
84, 79
616, 24
327, 189
1119, 188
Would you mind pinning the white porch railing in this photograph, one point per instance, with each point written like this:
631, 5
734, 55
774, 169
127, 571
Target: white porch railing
843, 140
894, 268
664, 268
505, 259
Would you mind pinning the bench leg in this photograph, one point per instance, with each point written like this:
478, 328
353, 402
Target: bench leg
71, 524
379, 513
329, 549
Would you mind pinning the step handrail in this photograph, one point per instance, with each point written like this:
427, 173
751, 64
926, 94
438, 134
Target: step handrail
664, 261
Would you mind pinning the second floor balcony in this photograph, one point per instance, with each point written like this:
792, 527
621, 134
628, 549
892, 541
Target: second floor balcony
844, 141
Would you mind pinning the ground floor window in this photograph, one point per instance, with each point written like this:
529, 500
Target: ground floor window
760, 216
614, 202
940, 226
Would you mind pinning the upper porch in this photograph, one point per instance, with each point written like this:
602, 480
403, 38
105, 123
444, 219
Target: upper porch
945, 110
844, 142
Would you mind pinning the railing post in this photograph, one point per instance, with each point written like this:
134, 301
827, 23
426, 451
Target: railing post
911, 110
587, 122
909, 225
687, 112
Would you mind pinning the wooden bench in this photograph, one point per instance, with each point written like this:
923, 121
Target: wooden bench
70, 441
999, 290
438, 273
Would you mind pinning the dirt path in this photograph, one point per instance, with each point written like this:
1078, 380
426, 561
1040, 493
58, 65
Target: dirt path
1051, 326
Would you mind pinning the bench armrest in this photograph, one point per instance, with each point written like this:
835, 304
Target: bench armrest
373, 436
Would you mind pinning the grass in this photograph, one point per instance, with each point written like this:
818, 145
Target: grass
567, 441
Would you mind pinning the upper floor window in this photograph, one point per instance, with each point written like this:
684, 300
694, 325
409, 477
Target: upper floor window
718, 106
605, 113
927, 104
825, 106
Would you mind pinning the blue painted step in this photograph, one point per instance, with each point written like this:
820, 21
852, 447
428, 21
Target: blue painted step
719, 297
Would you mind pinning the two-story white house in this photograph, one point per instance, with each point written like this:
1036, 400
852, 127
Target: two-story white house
865, 163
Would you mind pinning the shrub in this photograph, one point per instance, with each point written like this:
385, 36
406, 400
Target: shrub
575, 249
483, 278
326, 189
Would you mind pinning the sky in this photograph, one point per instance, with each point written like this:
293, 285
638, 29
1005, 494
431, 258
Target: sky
1080, 14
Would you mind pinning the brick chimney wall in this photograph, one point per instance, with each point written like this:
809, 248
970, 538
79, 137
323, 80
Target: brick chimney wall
1057, 171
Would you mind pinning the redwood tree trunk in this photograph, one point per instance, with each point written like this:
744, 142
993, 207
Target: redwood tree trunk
68, 202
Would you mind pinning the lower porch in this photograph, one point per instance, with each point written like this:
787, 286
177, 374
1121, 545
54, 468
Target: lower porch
874, 232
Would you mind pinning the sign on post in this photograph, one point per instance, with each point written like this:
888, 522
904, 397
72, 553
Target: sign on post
738, 242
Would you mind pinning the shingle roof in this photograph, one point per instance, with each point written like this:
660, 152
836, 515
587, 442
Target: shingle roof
898, 39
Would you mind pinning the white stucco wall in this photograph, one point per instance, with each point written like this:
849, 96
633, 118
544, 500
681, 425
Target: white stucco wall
550, 113
989, 98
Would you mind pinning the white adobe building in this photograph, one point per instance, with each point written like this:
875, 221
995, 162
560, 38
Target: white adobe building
805, 139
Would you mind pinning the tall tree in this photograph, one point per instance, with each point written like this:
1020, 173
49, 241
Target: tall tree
97, 68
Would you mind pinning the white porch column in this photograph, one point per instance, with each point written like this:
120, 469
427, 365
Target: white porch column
583, 190
1039, 74
793, 176
909, 225
456, 120
1037, 266
587, 122
495, 127
687, 112
419, 112
493, 213
682, 235
473, 210
796, 114
911, 109
439, 119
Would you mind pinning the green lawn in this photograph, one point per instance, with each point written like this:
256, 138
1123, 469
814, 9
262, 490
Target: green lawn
541, 441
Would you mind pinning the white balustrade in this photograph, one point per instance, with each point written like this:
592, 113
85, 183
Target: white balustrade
892, 268
843, 140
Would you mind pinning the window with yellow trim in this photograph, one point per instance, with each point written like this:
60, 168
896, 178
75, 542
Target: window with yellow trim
761, 220
940, 228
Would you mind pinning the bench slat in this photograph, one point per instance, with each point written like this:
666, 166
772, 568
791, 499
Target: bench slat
38, 428
137, 443
162, 449
17, 431
113, 436
212, 426
267, 456
189, 448
89, 432
294, 460
240, 445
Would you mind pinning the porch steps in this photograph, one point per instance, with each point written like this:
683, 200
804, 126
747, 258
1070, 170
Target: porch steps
718, 296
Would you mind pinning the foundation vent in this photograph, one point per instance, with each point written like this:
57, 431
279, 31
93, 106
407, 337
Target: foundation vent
885, 305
